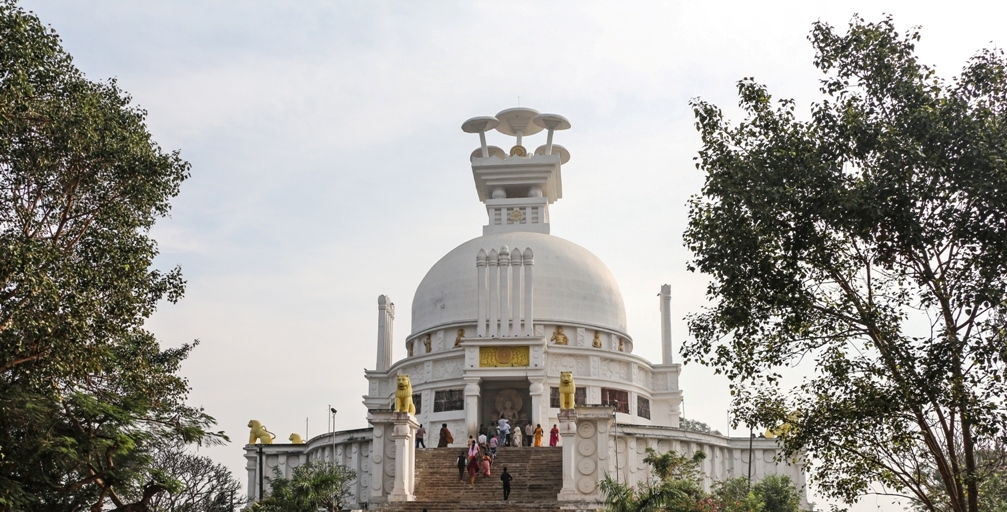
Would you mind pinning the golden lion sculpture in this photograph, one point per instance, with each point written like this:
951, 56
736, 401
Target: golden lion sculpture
566, 390
404, 395
296, 438
259, 433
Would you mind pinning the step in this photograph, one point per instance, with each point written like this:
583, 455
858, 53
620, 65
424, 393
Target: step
537, 473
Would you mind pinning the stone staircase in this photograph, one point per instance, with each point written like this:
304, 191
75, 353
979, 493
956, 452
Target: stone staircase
538, 478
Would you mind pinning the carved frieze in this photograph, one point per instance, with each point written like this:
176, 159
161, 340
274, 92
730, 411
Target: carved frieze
447, 369
497, 357
615, 370
568, 363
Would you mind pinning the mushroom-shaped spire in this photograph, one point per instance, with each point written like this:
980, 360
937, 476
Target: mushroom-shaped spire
517, 122
564, 155
551, 122
480, 125
481, 258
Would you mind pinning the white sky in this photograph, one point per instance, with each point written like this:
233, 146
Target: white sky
328, 165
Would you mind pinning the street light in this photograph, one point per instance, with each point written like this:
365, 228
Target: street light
332, 434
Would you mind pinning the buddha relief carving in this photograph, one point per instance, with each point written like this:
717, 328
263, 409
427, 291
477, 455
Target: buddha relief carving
558, 337
458, 339
427, 344
597, 340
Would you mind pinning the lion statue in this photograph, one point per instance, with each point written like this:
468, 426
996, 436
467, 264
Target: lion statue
404, 395
566, 390
296, 438
259, 433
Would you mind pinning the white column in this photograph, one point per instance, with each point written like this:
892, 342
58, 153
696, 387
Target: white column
481, 292
386, 318
529, 263
568, 434
515, 292
405, 464
539, 400
667, 356
504, 296
494, 283
472, 405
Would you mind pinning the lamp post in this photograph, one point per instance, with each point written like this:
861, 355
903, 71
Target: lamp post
332, 434
751, 440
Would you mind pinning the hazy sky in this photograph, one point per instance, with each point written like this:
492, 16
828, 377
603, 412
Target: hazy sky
328, 165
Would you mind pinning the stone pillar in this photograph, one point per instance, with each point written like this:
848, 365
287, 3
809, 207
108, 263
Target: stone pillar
676, 408
667, 356
381, 455
404, 434
481, 293
252, 468
472, 406
494, 291
386, 319
539, 400
568, 433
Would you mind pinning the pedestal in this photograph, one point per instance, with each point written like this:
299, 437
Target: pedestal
568, 432
404, 434
472, 406
538, 390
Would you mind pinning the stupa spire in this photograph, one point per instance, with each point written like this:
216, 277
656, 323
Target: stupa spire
517, 186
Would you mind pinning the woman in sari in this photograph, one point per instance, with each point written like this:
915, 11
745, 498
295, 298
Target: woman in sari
554, 435
486, 465
538, 434
445, 436
473, 469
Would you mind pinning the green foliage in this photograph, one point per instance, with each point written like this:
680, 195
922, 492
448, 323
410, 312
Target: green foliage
870, 242
777, 494
696, 426
312, 486
85, 391
992, 483
675, 486
672, 466
202, 484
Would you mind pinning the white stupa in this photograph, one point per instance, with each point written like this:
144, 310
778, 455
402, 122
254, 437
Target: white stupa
494, 323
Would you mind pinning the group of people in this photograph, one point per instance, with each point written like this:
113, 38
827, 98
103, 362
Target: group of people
533, 435
478, 460
503, 436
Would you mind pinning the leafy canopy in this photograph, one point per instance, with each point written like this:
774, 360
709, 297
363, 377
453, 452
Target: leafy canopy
676, 486
312, 486
870, 240
85, 391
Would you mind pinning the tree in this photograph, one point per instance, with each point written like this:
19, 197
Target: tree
992, 488
674, 486
869, 241
204, 485
312, 486
696, 426
85, 391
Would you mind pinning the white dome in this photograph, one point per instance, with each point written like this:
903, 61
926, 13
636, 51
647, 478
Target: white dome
571, 285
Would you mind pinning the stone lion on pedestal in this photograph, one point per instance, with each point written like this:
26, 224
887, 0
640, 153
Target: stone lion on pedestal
404, 395
259, 433
567, 389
